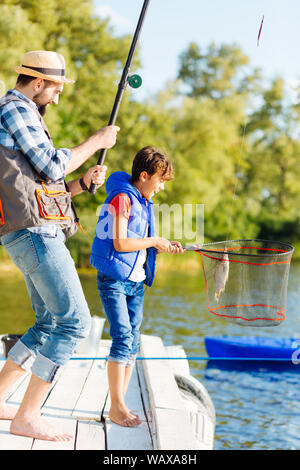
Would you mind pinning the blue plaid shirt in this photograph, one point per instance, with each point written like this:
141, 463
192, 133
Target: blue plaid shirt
20, 129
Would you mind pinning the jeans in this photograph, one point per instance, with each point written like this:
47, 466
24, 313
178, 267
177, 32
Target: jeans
123, 305
62, 314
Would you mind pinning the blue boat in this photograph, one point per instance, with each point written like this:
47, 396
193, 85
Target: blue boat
253, 347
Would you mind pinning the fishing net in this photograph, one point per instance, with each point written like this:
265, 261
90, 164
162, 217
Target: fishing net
246, 280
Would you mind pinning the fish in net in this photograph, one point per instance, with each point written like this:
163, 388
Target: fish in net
246, 281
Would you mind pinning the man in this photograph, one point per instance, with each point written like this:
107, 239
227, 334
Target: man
36, 216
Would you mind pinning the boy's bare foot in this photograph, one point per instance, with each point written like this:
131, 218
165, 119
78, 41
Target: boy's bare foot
133, 412
7, 411
129, 422
128, 411
37, 428
122, 416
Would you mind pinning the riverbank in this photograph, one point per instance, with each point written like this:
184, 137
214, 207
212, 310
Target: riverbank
186, 262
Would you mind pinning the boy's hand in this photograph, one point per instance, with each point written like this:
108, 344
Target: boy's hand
165, 246
177, 248
162, 245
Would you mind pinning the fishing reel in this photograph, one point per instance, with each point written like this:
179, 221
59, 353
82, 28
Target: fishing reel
135, 81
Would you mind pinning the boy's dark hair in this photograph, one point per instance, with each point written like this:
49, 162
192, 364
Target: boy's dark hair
23, 80
151, 160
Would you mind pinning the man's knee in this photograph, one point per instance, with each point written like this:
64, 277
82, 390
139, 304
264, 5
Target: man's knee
76, 328
85, 328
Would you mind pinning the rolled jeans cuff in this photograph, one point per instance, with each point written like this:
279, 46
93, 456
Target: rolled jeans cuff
128, 362
45, 369
22, 356
40, 365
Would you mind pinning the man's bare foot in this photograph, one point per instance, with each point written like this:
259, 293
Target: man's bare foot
37, 428
7, 411
122, 416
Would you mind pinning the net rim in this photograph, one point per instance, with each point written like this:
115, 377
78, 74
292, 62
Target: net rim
289, 248
279, 318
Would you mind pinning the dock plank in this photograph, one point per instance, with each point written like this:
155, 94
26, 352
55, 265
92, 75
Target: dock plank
171, 421
173, 430
135, 438
144, 392
158, 373
94, 392
64, 395
66, 425
90, 435
80, 386
9, 441
61, 401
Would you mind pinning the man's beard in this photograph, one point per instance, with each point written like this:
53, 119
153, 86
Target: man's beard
42, 109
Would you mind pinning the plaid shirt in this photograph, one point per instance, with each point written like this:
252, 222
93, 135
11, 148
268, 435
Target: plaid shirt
20, 129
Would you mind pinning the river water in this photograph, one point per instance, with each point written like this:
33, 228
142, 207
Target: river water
257, 407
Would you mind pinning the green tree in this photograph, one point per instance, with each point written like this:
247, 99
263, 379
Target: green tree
94, 58
218, 72
274, 167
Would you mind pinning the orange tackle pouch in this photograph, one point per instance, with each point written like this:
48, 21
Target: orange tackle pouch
53, 204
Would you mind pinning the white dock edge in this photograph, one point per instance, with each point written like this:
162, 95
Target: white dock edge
172, 427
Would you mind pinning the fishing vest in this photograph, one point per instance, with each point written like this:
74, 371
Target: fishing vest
26, 199
141, 224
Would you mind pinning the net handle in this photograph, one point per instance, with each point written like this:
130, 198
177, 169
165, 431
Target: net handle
200, 248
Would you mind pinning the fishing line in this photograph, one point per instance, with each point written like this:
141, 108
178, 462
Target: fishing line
242, 143
236, 182
189, 358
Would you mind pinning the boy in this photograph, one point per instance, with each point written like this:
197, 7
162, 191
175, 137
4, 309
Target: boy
124, 254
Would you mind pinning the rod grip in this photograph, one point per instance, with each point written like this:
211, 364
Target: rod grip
93, 187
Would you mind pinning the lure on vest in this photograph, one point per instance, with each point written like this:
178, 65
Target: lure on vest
141, 224
26, 200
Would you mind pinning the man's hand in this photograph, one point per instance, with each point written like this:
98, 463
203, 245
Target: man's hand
104, 138
95, 174
107, 136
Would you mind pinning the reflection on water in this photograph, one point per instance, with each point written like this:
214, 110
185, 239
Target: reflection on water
257, 406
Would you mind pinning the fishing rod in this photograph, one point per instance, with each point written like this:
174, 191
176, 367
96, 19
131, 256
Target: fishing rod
134, 81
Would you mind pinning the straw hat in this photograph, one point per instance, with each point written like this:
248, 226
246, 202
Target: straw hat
44, 64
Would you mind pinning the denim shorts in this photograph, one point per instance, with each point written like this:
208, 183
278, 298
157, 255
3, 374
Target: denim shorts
123, 305
62, 314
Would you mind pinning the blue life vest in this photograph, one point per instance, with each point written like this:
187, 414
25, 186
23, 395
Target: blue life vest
141, 224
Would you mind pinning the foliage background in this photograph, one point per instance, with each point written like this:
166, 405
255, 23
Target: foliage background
233, 135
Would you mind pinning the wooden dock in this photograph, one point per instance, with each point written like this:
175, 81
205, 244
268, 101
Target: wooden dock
78, 404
